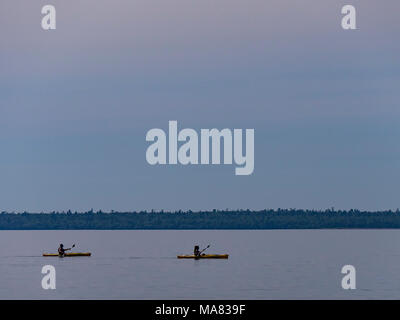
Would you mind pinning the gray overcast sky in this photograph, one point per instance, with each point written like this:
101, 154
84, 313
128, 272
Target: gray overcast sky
76, 103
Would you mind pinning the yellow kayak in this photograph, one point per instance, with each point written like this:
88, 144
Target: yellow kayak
70, 254
205, 256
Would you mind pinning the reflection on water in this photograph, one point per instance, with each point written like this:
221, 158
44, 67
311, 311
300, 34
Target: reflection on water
263, 264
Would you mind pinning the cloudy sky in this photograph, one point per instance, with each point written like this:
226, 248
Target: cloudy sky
76, 103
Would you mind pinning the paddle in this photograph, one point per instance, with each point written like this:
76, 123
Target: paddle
204, 249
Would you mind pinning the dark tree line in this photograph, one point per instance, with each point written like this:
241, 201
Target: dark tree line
216, 219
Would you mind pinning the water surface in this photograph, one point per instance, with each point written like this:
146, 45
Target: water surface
263, 264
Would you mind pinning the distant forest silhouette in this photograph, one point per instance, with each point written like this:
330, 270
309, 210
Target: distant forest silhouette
215, 219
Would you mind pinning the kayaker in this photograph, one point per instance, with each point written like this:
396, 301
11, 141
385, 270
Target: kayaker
61, 250
196, 251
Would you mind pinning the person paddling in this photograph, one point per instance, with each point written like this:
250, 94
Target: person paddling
61, 250
196, 251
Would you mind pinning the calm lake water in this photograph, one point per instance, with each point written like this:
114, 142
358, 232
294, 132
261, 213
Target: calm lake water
279, 264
